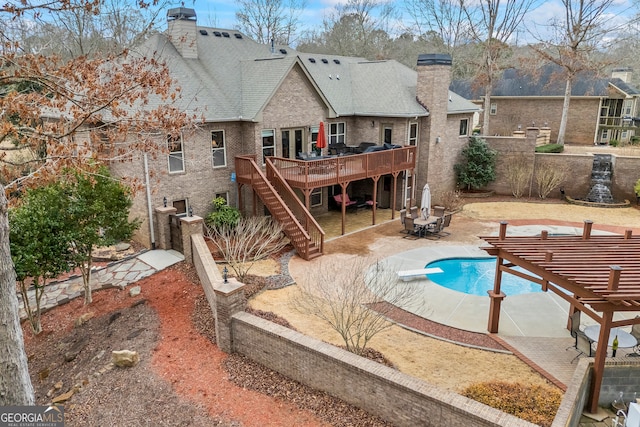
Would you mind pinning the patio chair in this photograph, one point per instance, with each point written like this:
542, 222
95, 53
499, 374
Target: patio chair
414, 212
433, 230
410, 228
574, 326
438, 210
635, 331
446, 221
583, 345
403, 215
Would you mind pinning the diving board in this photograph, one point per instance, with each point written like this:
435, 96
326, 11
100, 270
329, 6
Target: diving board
409, 274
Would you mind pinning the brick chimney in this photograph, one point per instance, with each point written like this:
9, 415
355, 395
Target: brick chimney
434, 77
181, 22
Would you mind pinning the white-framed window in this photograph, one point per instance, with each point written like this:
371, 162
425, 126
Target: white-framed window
218, 150
413, 134
315, 198
268, 144
314, 138
494, 109
176, 154
605, 134
624, 135
464, 127
627, 107
337, 132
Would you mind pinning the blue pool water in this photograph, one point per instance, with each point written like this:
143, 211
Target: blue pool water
475, 276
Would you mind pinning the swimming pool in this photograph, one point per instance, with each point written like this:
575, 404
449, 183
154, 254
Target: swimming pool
475, 276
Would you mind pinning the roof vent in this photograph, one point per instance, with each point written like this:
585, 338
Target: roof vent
237, 35
283, 51
217, 33
324, 61
225, 34
204, 32
312, 60
337, 61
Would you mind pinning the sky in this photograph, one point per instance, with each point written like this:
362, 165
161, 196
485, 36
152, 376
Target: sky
221, 13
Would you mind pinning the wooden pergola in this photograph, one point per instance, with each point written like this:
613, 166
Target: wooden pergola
597, 275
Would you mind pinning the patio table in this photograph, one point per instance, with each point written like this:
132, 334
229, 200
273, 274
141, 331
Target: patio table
625, 339
423, 224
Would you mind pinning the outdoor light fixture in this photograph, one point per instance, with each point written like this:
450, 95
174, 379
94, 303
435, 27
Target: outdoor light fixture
224, 274
437, 140
164, 201
190, 211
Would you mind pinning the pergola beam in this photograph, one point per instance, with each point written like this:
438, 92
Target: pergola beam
598, 275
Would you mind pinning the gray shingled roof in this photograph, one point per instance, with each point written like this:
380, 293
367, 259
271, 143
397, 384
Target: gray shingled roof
549, 83
234, 78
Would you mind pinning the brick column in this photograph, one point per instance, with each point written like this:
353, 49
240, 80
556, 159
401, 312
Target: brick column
229, 301
163, 240
545, 132
190, 225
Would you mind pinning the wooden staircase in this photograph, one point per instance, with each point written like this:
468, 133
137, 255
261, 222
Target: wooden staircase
285, 207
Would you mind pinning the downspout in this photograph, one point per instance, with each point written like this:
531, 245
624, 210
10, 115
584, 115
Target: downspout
146, 182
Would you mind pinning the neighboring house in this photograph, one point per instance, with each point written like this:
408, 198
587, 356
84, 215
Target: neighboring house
600, 111
268, 101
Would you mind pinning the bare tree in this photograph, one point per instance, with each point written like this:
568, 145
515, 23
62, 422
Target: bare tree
77, 30
354, 298
78, 113
444, 18
549, 177
359, 28
518, 171
491, 25
252, 239
267, 20
574, 44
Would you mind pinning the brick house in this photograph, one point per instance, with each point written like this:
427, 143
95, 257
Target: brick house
601, 109
265, 102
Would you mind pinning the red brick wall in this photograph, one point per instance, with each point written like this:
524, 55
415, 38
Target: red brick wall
581, 125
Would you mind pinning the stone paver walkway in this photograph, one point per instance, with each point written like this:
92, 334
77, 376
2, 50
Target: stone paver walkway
117, 274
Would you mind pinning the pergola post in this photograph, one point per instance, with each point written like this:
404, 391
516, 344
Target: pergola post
598, 364
495, 298
586, 231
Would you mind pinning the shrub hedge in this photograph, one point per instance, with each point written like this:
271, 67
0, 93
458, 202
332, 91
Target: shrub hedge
550, 148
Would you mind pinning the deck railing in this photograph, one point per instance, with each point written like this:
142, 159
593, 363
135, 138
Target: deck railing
304, 217
307, 245
306, 174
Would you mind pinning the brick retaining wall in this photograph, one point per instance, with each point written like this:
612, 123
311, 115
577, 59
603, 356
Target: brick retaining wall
399, 398
626, 170
379, 390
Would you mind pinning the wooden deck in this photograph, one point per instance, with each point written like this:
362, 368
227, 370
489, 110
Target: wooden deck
310, 174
